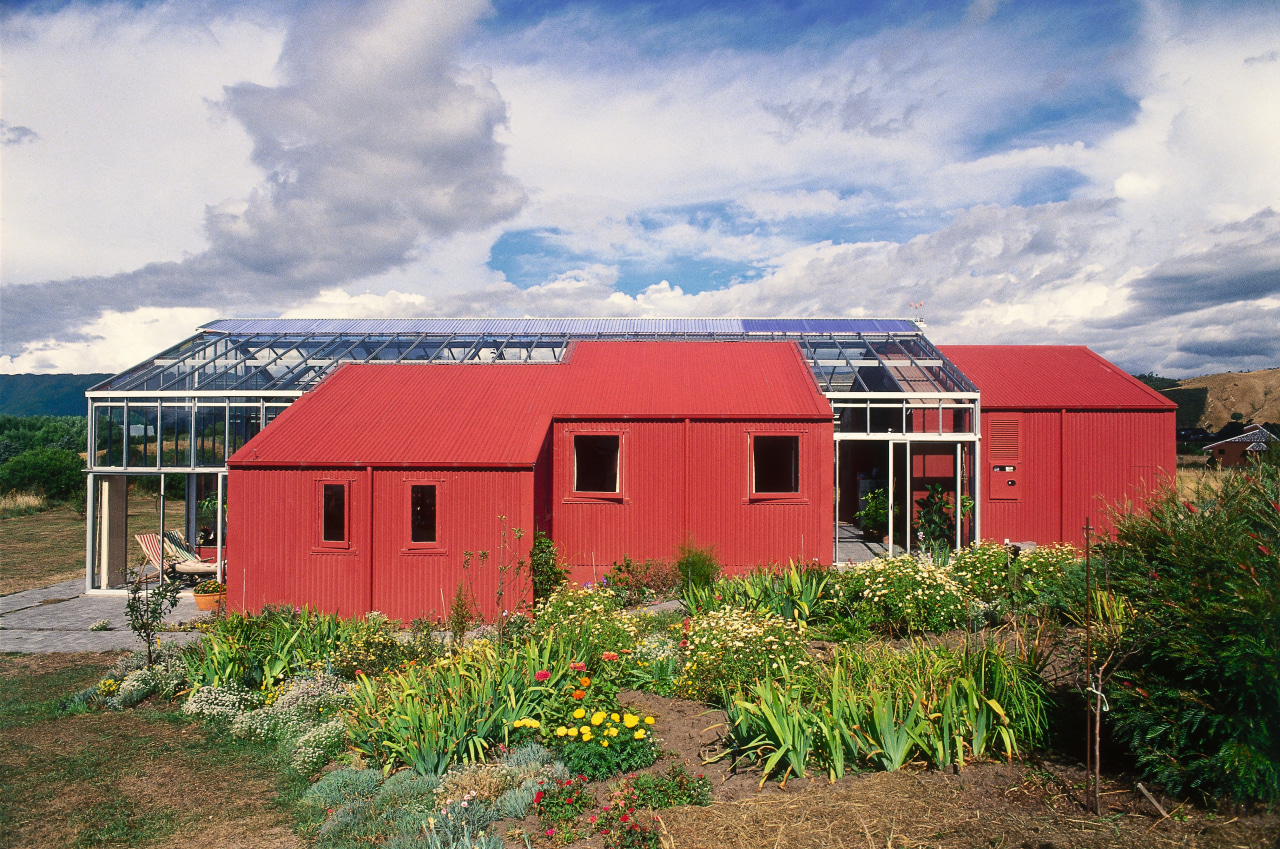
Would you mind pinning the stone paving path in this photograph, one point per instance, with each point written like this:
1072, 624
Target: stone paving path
57, 618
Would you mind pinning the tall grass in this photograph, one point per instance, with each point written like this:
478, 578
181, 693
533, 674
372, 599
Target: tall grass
21, 504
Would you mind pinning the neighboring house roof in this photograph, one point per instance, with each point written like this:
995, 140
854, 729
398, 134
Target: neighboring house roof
1052, 377
1256, 434
497, 414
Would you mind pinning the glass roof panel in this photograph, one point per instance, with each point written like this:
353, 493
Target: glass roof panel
290, 355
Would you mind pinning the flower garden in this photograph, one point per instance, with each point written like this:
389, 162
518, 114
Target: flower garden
546, 732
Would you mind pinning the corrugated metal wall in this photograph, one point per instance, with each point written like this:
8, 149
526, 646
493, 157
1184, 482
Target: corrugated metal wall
691, 480
379, 569
1068, 465
1113, 460
411, 581
274, 555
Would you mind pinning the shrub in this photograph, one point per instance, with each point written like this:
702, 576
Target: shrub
224, 703
902, 595
56, 473
643, 583
586, 622
697, 566
318, 747
727, 649
562, 800
545, 567
605, 743
371, 648
670, 790
1198, 702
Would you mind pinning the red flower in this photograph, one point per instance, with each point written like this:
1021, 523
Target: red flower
623, 818
577, 666
537, 797
609, 656
579, 695
541, 675
684, 644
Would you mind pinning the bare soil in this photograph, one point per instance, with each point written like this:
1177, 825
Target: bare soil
1034, 805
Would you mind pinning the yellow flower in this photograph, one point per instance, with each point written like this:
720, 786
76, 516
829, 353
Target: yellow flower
579, 713
614, 717
586, 736
597, 717
630, 720
586, 729
639, 735
561, 731
612, 732
648, 720
604, 743
573, 732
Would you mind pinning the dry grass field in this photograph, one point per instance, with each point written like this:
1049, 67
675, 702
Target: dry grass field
39, 549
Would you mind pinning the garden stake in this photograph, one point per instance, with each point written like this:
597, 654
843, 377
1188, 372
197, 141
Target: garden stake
1091, 717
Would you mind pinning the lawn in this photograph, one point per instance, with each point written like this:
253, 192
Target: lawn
39, 549
145, 777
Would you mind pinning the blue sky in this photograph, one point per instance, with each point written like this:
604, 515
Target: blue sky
1066, 172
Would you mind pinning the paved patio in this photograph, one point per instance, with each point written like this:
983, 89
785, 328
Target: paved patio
57, 618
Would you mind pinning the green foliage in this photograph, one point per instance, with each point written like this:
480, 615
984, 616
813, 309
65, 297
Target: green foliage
545, 567
697, 566
1157, 382
24, 433
672, 789
454, 711
799, 594
1198, 700
643, 583
878, 708
559, 801
936, 521
601, 746
874, 515
1003, 584
56, 473
585, 622
370, 647
146, 608
730, 648
901, 595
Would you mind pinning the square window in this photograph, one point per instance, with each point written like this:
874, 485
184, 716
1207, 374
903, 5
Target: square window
775, 463
334, 512
422, 513
595, 462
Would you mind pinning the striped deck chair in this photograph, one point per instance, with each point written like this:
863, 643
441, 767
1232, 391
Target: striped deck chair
185, 561
155, 565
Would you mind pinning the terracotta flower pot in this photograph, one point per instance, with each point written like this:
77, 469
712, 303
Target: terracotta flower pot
210, 601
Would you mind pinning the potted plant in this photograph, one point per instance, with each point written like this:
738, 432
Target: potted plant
210, 595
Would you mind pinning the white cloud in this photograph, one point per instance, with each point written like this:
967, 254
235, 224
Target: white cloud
125, 144
115, 341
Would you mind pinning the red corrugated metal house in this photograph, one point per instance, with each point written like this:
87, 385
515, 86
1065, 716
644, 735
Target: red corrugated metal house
365, 493
1065, 435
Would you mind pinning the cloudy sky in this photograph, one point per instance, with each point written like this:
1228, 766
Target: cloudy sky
1102, 173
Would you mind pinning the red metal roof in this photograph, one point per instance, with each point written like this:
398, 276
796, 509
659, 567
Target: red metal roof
497, 414
1030, 377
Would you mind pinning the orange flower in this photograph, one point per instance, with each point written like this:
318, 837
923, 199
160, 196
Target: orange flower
584, 682
579, 695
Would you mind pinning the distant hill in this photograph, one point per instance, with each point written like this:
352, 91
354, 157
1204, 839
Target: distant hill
1212, 399
45, 394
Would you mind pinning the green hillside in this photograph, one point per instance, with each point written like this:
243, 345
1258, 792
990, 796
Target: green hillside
45, 394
